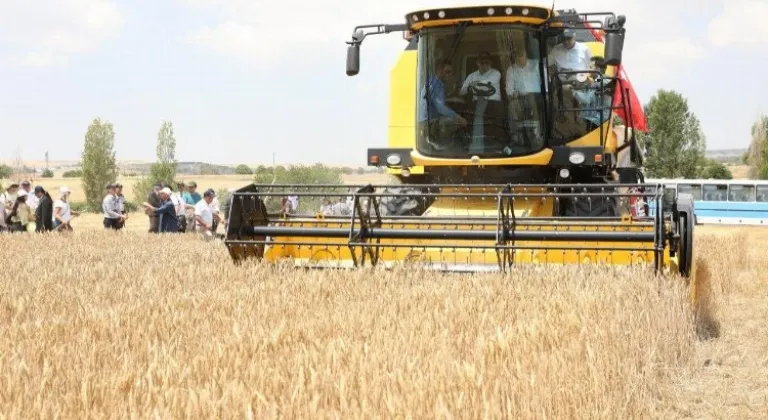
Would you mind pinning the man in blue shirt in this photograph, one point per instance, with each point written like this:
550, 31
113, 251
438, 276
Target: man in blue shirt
435, 117
166, 212
191, 196
594, 96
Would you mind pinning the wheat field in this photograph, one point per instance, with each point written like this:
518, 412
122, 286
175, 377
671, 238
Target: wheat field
127, 325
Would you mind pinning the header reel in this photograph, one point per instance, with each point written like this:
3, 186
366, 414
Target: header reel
466, 228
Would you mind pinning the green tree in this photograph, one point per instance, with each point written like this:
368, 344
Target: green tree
300, 175
5, 171
47, 173
243, 169
164, 170
757, 155
98, 160
675, 144
713, 169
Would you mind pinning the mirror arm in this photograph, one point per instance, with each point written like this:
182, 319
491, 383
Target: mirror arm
359, 34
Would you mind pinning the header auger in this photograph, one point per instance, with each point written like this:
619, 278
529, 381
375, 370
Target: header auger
512, 136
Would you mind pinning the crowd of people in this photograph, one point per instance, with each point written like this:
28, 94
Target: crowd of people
183, 210
169, 210
24, 209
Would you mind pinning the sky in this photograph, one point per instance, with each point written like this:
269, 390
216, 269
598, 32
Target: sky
243, 79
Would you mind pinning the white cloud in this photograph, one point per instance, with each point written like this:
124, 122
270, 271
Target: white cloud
258, 29
742, 22
47, 32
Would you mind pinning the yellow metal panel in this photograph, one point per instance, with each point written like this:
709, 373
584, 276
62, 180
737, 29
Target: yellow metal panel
402, 102
335, 252
538, 159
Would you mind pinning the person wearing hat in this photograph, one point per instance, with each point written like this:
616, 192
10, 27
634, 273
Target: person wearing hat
154, 200
10, 194
120, 198
166, 212
44, 210
62, 211
570, 55
487, 108
191, 197
112, 216
20, 215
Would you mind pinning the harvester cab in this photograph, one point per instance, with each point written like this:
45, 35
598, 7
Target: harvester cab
506, 144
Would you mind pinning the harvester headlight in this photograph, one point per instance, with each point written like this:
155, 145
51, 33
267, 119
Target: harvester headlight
426, 15
565, 173
441, 14
576, 158
508, 10
525, 12
393, 159
491, 11
405, 172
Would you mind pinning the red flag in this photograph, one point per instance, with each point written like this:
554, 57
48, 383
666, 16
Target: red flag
638, 114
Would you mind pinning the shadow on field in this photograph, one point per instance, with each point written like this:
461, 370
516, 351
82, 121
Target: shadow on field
707, 327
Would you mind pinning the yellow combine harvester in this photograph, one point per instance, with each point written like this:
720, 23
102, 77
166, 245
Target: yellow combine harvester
502, 133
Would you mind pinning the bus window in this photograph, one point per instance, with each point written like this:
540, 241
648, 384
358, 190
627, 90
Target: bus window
762, 193
741, 193
694, 189
714, 192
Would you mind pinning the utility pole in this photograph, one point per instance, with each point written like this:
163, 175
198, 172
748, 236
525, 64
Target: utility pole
46, 161
273, 159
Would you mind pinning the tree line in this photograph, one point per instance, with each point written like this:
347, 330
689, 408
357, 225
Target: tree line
675, 146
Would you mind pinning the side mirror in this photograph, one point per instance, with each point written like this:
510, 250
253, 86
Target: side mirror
353, 59
614, 47
614, 40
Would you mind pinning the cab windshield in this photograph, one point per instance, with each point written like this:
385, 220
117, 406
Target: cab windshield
480, 91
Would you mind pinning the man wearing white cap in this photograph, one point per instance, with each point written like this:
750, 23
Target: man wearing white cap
166, 213
62, 213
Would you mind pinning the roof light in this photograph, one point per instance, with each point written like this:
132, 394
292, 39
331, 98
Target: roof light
441, 14
491, 11
526, 11
426, 15
508, 10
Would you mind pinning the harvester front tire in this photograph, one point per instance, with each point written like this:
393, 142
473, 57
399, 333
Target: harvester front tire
596, 206
409, 202
686, 222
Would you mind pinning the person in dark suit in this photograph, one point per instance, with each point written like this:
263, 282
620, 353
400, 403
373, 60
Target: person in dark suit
44, 210
154, 201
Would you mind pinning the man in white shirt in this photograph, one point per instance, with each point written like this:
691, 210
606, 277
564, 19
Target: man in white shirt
32, 200
484, 75
109, 205
204, 214
484, 79
523, 89
62, 213
570, 55
181, 206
